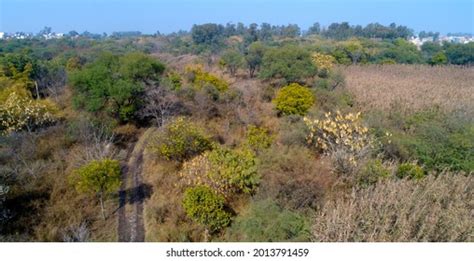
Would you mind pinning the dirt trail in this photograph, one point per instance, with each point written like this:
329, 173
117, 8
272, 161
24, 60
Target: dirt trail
132, 194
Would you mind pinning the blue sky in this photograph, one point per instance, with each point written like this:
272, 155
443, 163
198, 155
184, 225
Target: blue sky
167, 16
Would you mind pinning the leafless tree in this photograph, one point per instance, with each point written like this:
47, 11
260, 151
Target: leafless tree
78, 233
160, 105
97, 139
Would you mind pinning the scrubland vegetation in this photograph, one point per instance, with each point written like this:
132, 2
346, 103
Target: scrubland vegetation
252, 134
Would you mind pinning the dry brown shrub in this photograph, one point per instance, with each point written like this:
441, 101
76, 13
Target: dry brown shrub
413, 86
433, 209
293, 177
68, 215
164, 217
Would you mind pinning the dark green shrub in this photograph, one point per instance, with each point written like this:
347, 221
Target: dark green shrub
410, 170
439, 141
433, 138
265, 221
206, 207
180, 140
294, 99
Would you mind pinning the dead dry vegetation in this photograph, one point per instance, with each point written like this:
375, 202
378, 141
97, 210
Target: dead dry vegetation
413, 87
435, 209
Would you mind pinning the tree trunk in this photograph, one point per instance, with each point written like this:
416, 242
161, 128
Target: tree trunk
102, 209
206, 235
37, 90
251, 72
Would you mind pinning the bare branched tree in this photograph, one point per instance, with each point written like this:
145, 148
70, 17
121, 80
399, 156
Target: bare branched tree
78, 233
97, 139
160, 105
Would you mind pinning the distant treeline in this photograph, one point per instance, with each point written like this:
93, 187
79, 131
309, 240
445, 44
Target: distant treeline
266, 31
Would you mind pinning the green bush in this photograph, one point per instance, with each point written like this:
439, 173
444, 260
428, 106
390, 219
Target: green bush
372, 171
435, 139
258, 138
410, 170
293, 99
226, 171
200, 78
438, 58
438, 141
236, 168
206, 207
290, 63
173, 80
180, 140
265, 221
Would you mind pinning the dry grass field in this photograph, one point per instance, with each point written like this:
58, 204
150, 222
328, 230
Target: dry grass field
414, 87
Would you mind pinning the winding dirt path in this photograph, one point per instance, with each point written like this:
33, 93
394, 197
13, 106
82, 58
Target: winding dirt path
132, 194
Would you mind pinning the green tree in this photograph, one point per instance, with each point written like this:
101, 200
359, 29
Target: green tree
232, 60
210, 36
99, 177
460, 53
291, 63
206, 207
314, 29
354, 50
402, 51
140, 67
429, 49
254, 57
114, 84
294, 99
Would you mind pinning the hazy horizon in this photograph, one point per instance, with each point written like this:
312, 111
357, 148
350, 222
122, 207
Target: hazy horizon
170, 16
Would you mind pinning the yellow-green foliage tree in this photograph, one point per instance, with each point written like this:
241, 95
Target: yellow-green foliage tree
99, 177
200, 78
18, 109
180, 140
225, 171
258, 138
294, 99
205, 206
